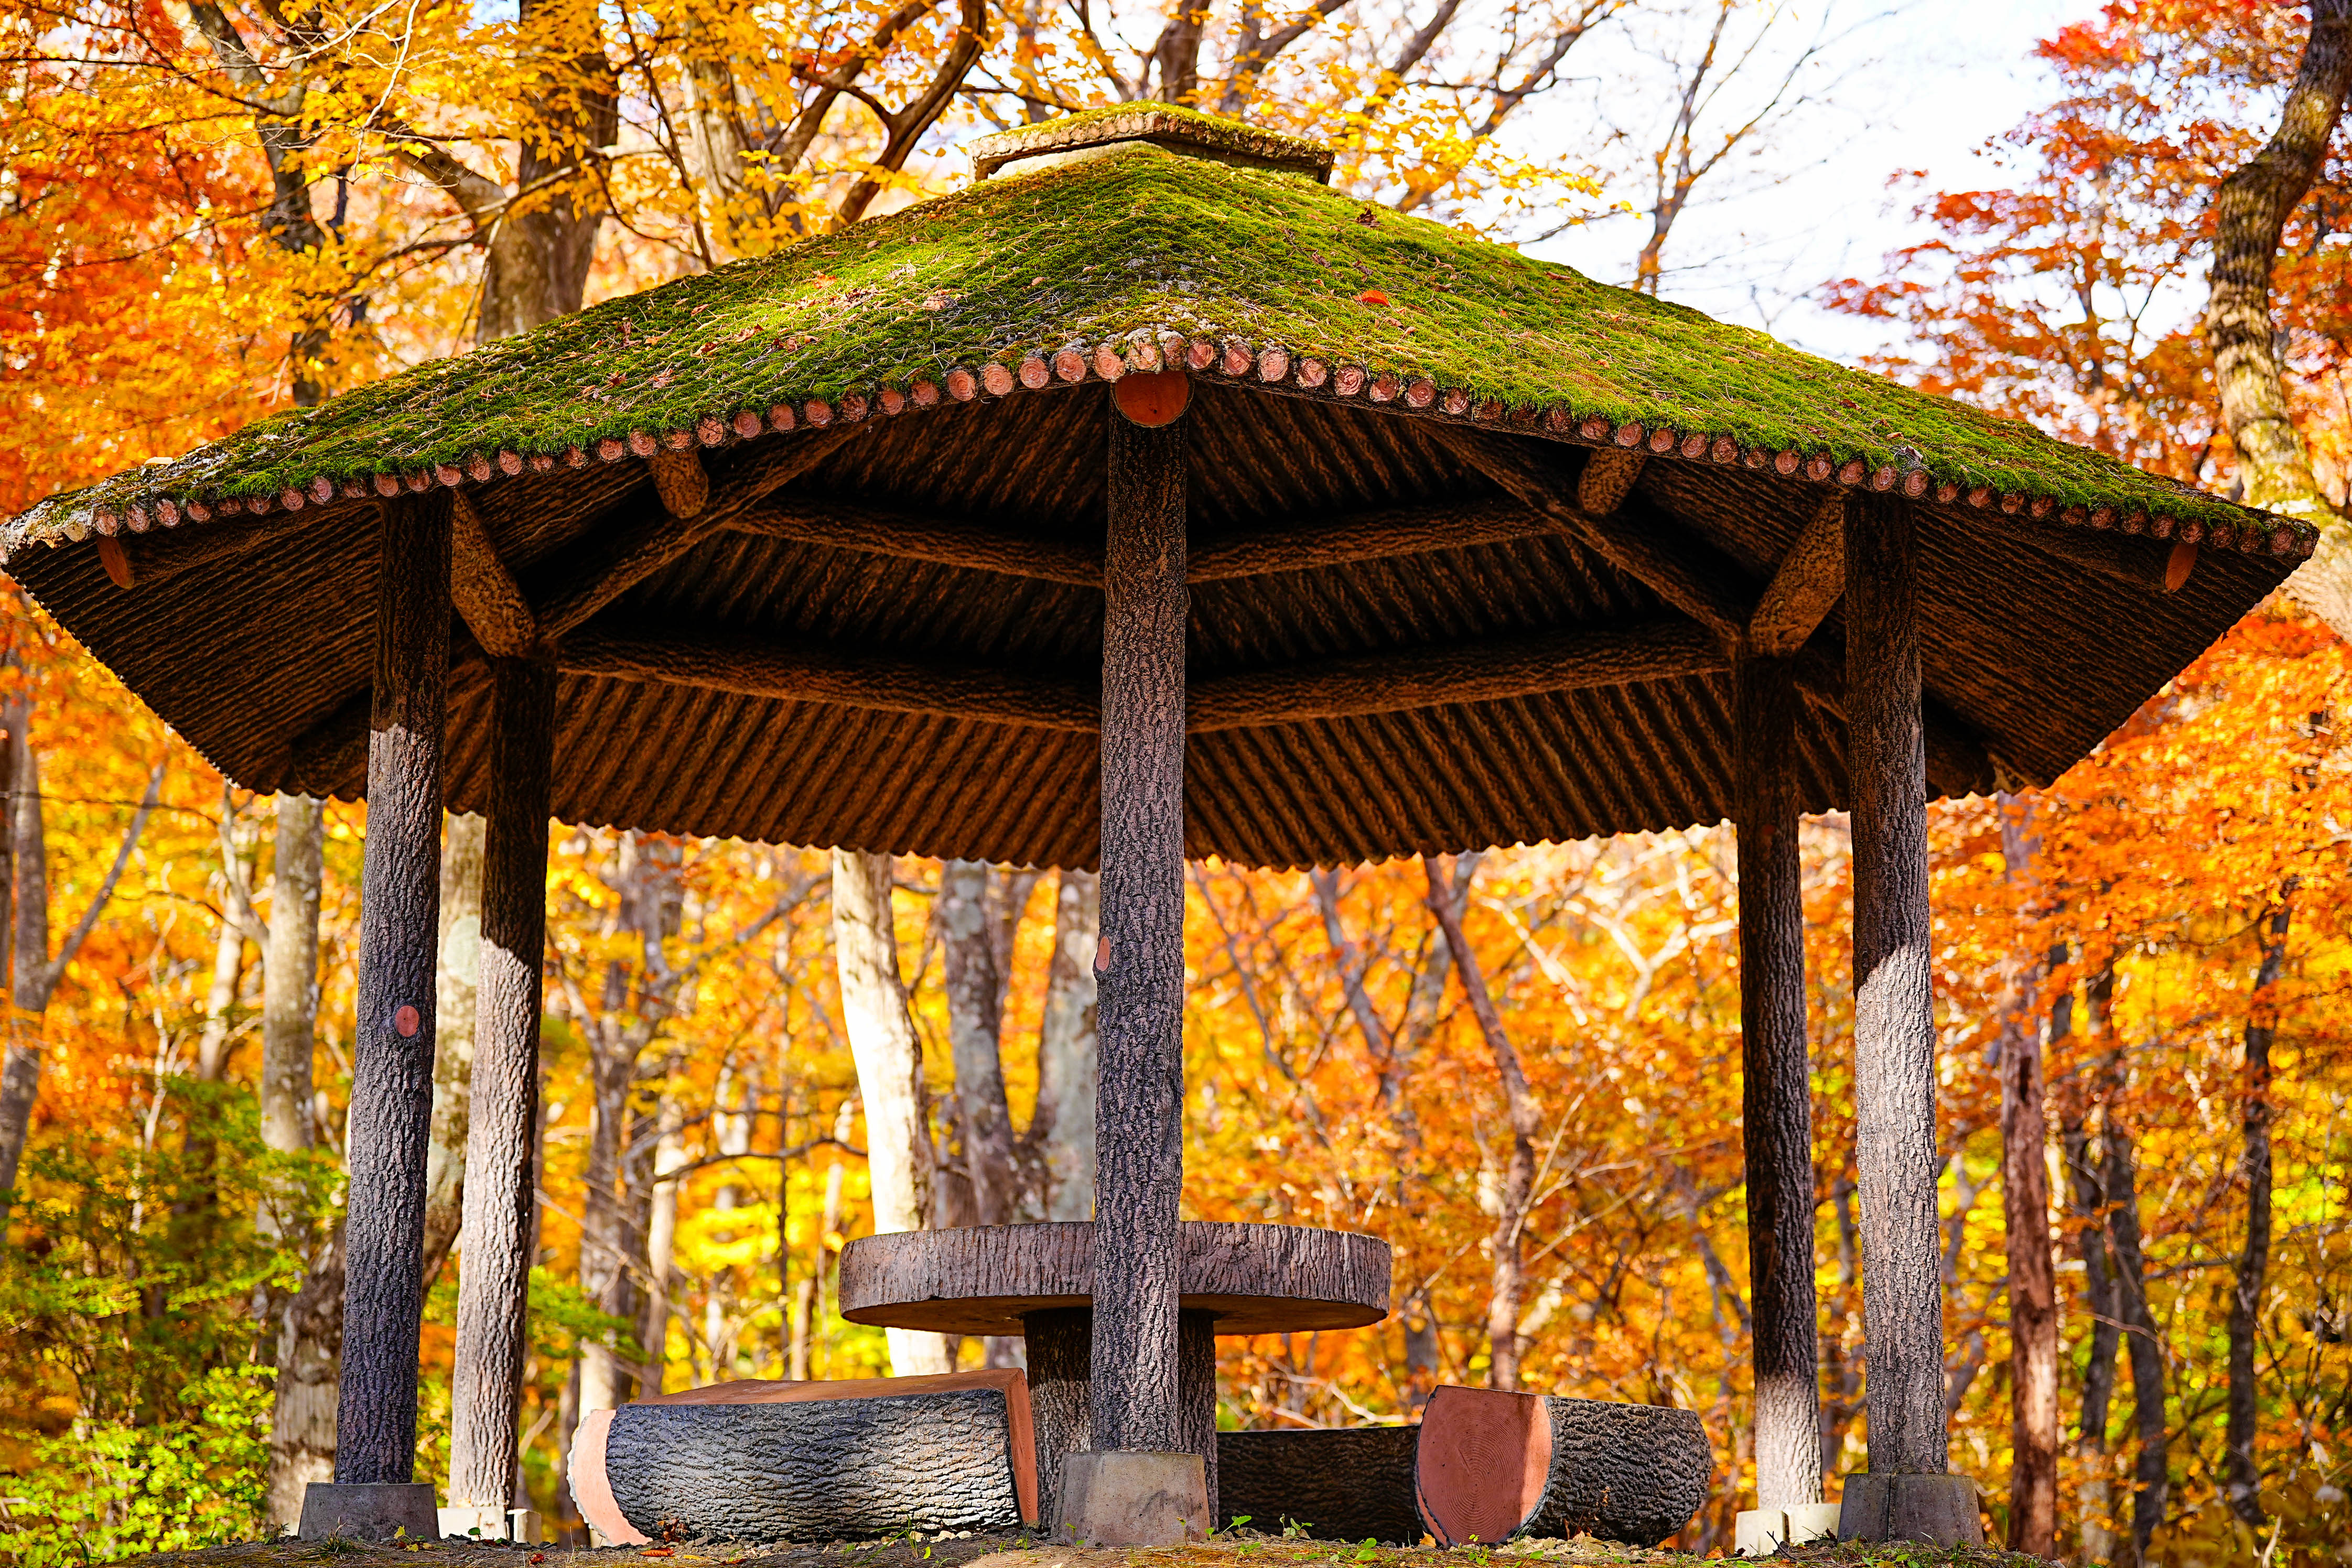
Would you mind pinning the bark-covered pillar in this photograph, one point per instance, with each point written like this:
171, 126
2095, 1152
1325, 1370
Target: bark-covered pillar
1140, 955
494, 1248
391, 1077
1777, 1102
1060, 1342
1894, 1033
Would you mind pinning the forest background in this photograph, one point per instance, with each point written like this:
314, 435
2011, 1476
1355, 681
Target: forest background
212, 208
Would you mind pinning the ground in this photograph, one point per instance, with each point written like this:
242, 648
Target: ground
1234, 1550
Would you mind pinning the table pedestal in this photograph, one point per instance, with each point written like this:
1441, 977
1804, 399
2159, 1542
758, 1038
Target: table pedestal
1061, 1342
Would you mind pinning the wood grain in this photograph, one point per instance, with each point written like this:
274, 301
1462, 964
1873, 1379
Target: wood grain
1140, 953
1806, 585
392, 1079
985, 1279
1607, 478
1894, 1027
487, 598
494, 1248
1777, 1106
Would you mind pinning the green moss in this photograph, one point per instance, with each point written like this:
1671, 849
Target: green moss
1135, 239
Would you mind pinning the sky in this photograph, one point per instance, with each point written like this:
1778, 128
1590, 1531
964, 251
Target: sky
1924, 86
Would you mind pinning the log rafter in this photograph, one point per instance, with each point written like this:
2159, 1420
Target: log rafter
1482, 670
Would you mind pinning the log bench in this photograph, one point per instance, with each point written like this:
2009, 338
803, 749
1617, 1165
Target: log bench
1489, 1466
810, 1461
1037, 1281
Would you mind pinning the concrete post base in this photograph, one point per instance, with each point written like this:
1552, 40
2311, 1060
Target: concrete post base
1126, 1499
369, 1510
1761, 1531
1938, 1510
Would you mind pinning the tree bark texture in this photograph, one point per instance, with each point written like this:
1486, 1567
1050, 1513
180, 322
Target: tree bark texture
1061, 1135
494, 1265
1140, 956
2086, 1205
975, 997
2025, 1207
1343, 1483
889, 1070
289, 975
303, 1330
2243, 1476
1447, 896
1894, 1027
2119, 1176
1777, 1100
1061, 1354
392, 1081
2250, 215
457, 982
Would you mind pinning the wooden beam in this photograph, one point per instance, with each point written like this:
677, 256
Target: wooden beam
486, 596
1491, 670
330, 758
1811, 578
1488, 671
1608, 478
944, 540
681, 482
2147, 565
1364, 535
849, 677
142, 560
979, 546
632, 543
1958, 760
1679, 567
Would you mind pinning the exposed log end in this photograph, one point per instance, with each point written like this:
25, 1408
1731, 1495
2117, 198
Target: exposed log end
681, 481
1154, 399
117, 561
1480, 1466
1493, 1465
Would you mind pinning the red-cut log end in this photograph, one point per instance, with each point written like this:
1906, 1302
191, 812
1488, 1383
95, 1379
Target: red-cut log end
1154, 399
1480, 1466
115, 559
2177, 568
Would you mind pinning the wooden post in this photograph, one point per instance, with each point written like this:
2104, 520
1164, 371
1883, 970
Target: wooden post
392, 1079
1140, 956
494, 1249
1777, 1091
1894, 1033
1060, 1342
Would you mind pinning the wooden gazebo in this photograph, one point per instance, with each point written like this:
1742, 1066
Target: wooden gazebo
1149, 498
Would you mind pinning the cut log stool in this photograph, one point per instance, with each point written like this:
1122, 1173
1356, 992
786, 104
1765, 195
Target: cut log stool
1038, 1281
810, 1461
1335, 1483
1491, 1465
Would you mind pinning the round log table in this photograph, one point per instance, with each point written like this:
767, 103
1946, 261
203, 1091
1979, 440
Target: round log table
1037, 1281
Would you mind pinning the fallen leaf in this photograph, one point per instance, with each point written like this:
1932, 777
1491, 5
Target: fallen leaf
1371, 296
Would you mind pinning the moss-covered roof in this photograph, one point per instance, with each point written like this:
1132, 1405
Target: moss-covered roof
1115, 263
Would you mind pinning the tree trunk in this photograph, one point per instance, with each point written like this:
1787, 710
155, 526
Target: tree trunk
302, 1330
890, 1071
661, 1227
975, 997
2025, 1210
1060, 1141
392, 1083
501, 1198
2249, 215
33, 972
2243, 1476
457, 976
1140, 956
1893, 1026
1777, 1121
1505, 1303
2120, 1178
